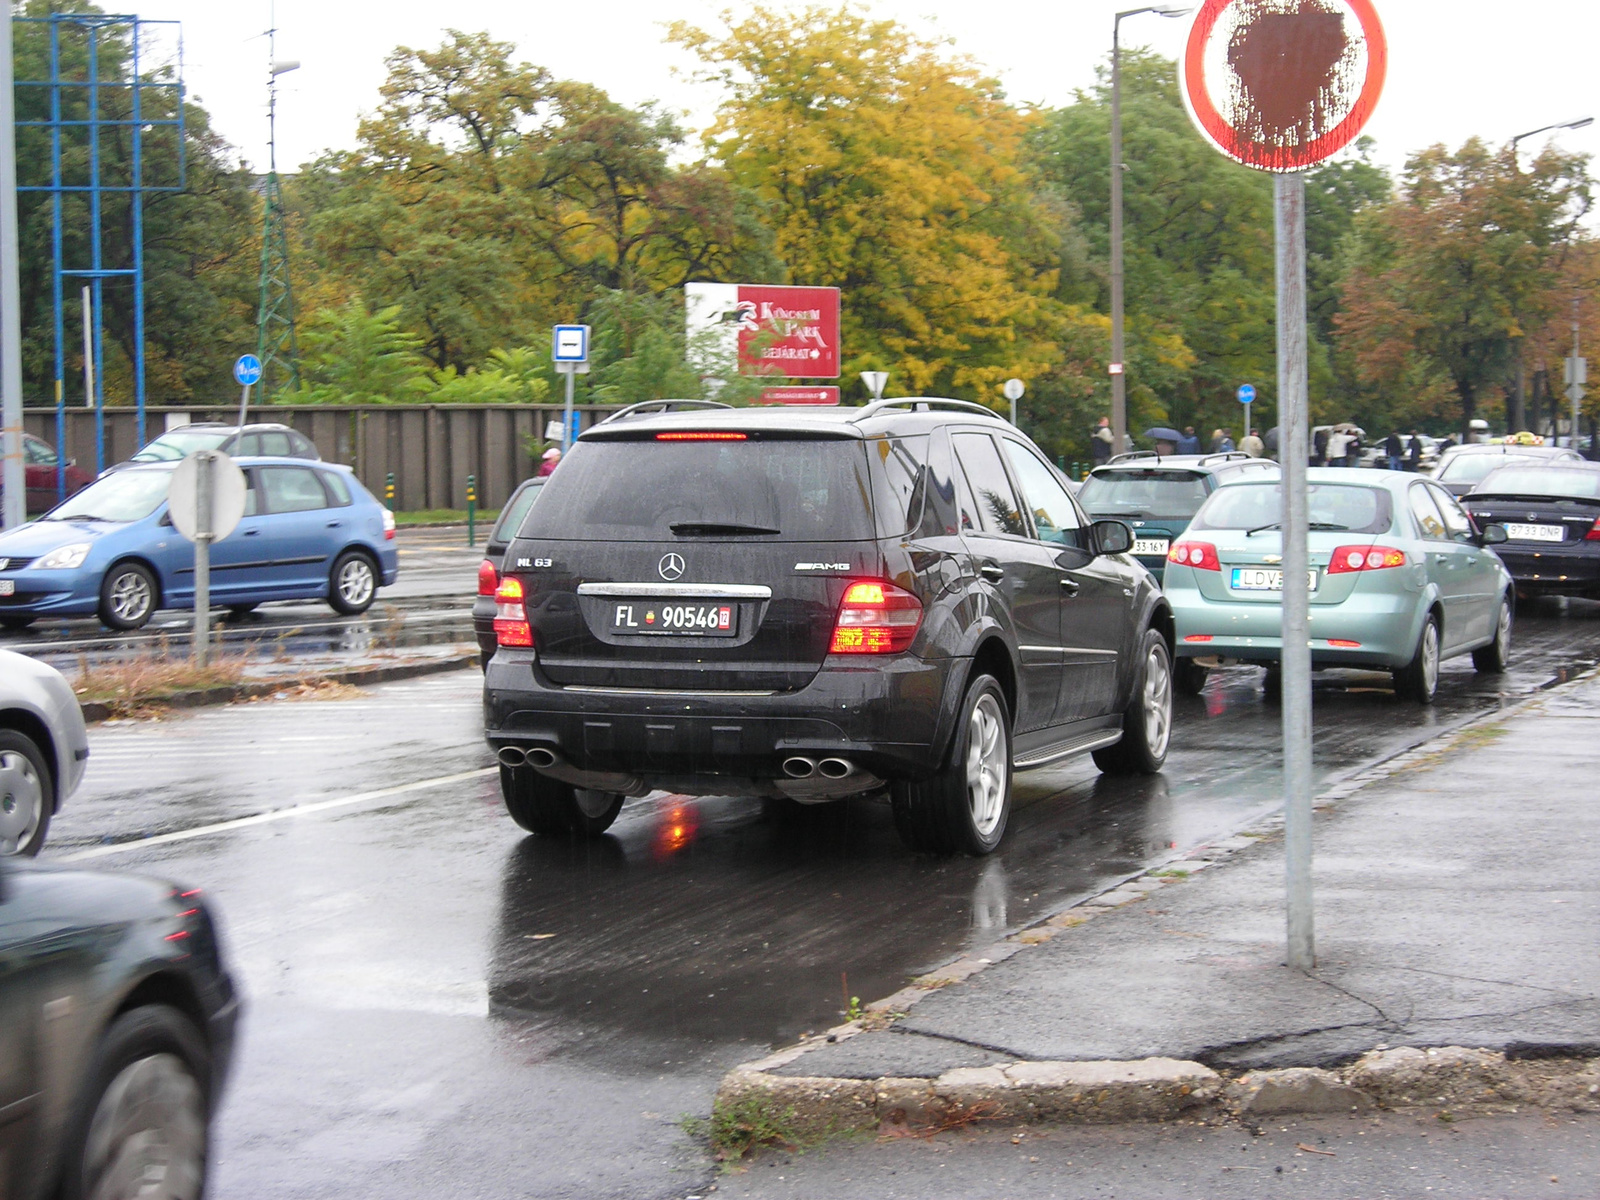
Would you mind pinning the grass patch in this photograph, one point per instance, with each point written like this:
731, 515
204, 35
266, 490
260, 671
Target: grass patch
739, 1127
151, 678
1170, 873
445, 516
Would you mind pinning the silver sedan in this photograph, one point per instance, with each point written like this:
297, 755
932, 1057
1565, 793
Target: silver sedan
43, 748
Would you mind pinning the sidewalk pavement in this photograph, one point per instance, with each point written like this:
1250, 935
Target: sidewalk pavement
1457, 905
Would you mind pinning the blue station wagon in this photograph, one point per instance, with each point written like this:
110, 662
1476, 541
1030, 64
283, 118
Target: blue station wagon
310, 531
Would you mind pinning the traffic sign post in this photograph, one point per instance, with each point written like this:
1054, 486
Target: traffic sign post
1281, 89
246, 372
206, 502
569, 348
1012, 390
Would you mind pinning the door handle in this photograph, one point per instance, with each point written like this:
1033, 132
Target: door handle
334, 524
251, 532
992, 572
1069, 586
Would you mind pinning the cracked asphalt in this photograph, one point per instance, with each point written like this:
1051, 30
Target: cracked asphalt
440, 1006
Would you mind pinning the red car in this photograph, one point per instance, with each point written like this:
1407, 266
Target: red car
40, 462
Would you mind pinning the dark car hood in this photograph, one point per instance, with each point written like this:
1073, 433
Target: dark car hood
76, 896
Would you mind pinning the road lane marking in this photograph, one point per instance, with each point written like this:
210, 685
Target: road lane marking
277, 814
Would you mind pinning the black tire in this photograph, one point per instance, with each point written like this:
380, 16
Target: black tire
241, 610
1272, 684
1147, 721
552, 808
1496, 656
16, 624
964, 808
27, 794
352, 583
144, 1111
128, 596
1189, 677
1419, 679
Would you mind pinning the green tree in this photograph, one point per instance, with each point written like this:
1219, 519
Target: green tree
353, 356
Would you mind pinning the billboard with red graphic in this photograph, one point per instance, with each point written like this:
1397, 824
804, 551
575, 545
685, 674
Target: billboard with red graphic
786, 332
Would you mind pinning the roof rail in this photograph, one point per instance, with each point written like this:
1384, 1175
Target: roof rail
924, 404
1228, 455
662, 406
1130, 455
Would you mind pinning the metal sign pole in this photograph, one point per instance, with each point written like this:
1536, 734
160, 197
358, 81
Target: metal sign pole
13, 474
202, 558
1294, 420
566, 418
244, 403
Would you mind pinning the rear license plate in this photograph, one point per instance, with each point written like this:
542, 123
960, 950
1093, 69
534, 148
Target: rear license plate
1152, 546
1537, 533
676, 618
1266, 579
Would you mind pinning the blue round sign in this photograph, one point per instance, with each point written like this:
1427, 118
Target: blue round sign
1247, 393
247, 370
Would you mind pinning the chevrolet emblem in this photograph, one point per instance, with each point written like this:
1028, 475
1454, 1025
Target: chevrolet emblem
1273, 558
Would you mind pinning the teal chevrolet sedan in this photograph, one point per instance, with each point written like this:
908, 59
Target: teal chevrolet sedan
1401, 579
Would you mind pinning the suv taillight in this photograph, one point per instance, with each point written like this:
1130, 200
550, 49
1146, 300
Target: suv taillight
488, 578
875, 618
511, 626
1202, 556
1594, 532
388, 525
1365, 558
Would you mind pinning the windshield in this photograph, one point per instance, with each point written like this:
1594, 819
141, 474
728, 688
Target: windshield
1333, 507
180, 443
1471, 468
124, 496
1542, 481
1143, 493
767, 489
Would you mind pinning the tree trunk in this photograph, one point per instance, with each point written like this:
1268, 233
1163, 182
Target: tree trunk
1469, 408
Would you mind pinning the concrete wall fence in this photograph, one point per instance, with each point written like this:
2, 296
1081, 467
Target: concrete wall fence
430, 448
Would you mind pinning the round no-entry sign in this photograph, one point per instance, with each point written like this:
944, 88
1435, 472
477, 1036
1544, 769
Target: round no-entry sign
1281, 85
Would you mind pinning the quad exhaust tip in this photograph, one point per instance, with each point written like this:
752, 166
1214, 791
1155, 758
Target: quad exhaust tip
511, 756
540, 757
799, 768
837, 768
516, 756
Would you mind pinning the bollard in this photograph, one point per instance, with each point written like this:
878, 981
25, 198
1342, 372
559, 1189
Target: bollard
472, 503
388, 491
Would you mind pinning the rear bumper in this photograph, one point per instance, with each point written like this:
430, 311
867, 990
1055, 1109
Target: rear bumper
1385, 626
885, 717
1554, 572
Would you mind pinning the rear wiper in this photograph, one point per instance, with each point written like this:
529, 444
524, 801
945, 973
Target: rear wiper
1262, 528
717, 529
1324, 526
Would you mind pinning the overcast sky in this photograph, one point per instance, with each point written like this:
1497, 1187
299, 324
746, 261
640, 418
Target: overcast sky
1457, 67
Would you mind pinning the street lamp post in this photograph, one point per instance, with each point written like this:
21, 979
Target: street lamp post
1119, 391
1518, 402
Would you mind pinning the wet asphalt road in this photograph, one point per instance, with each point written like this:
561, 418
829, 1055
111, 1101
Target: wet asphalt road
440, 1006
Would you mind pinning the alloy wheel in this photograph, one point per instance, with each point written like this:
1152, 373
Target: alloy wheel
355, 582
130, 597
21, 801
148, 1133
1430, 658
986, 764
1157, 701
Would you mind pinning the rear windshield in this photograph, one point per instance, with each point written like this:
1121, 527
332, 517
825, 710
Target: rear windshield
170, 447
1143, 493
1471, 468
1333, 507
763, 489
1542, 481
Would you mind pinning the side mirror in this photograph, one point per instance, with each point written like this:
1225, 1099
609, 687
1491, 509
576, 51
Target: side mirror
1493, 535
1110, 537
166, 519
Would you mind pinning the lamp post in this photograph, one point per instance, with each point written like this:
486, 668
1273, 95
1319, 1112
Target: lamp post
1119, 391
1518, 404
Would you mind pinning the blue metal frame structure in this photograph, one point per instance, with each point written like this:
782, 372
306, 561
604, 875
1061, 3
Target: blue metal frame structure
94, 29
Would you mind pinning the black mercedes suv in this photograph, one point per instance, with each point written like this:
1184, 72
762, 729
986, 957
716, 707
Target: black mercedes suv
811, 605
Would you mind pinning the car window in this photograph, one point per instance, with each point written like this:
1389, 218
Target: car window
120, 496
252, 494
512, 515
338, 487
1455, 517
38, 453
291, 489
900, 482
1053, 514
1429, 523
1554, 480
1470, 468
1143, 493
300, 446
1334, 507
998, 510
178, 443
275, 442
801, 489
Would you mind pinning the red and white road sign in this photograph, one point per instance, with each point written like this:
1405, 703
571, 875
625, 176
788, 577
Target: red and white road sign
799, 395
1282, 85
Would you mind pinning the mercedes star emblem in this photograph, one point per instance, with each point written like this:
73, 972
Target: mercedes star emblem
671, 566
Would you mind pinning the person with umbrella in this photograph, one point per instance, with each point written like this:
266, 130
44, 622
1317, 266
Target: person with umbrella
1166, 440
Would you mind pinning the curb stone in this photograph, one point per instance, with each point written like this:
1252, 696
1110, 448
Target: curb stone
97, 710
1456, 1077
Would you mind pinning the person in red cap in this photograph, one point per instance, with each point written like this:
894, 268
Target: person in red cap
551, 458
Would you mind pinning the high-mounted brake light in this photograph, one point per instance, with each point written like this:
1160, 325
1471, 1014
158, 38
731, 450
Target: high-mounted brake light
511, 626
709, 435
875, 618
1365, 558
488, 578
1200, 555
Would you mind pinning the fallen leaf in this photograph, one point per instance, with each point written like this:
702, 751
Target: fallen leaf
1314, 1150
